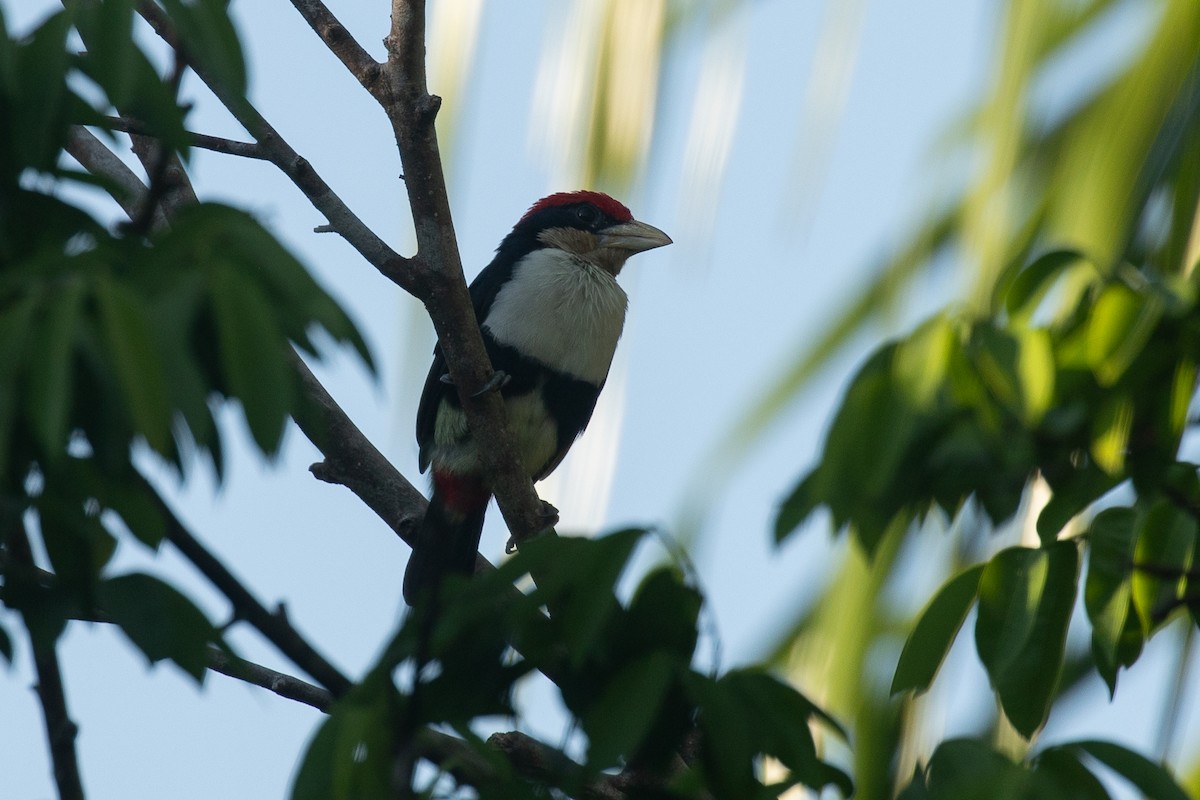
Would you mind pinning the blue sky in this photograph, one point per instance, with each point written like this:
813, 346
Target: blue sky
713, 318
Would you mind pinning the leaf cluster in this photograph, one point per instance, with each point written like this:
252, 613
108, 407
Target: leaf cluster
118, 337
623, 670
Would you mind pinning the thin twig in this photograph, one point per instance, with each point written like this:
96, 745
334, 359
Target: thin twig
217, 144
285, 686
280, 153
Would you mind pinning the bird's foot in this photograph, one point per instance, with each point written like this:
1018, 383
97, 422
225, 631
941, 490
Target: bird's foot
499, 380
549, 515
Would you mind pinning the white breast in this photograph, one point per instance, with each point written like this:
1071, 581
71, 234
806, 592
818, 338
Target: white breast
561, 310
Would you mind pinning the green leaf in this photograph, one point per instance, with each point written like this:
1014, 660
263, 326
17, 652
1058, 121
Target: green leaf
1025, 602
1059, 775
783, 716
76, 542
6, 646
626, 711
136, 361
1121, 323
1151, 779
727, 737
799, 504
1110, 433
253, 355
1163, 553
662, 615
1072, 495
937, 627
1032, 283
140, 512
210, 39
351, 756
51, 373
1036, 373
159, 620
964, 769
1108, 593
107, 31
576, 579
37, 119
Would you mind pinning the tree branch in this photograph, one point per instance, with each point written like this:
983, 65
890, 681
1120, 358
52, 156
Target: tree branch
97, 159
438, 269
60, 729
280, 153
353, 461
339, 41
286, 686
274, 626
217, 144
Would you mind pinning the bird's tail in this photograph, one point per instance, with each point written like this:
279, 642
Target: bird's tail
448, 537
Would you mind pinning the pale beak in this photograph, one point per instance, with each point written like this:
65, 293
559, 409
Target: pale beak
633, 236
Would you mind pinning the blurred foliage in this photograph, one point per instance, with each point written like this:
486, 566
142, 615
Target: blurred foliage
624, 671
115, 339
1071, 367
1055, 400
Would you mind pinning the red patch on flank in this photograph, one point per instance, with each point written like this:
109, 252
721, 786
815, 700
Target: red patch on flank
463, 493
609, 206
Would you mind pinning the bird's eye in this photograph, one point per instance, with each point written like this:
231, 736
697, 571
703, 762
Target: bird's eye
587, 214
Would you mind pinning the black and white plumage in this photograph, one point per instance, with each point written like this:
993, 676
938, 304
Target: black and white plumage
551, 312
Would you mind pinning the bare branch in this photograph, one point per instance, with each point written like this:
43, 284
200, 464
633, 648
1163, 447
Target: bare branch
339, 41
353, 461
286, 686
217, 144
280, 153
274, 626
97, 159
60, 729
437, 265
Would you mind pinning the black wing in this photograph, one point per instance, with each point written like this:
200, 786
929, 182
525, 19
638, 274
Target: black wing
483, 291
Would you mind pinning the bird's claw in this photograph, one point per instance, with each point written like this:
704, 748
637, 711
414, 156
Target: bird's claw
499, 380
548, 513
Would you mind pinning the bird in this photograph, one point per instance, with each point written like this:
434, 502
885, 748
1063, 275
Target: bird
550, 311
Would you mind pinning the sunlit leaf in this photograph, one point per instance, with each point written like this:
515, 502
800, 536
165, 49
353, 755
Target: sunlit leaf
1025, 601
1110, 433
1121, 323
1163, 553
1033, 282
1108, 594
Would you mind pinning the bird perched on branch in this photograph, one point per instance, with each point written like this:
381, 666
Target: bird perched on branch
550, 312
